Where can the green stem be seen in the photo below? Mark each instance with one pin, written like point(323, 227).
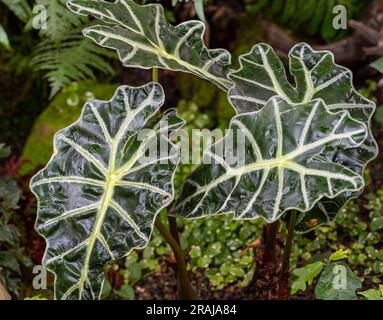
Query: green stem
point(184, 288)
point(174, 229)
point(155, 74)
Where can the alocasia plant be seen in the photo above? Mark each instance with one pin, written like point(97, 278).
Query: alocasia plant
point(306, 146)
point(96, 200)
point(143, 38)
point(284, 168)
point(263, 75)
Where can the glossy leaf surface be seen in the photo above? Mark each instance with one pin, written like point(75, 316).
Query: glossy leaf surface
point(301, 156)
point(143, 38)
point(98, 197)
point(262, 75)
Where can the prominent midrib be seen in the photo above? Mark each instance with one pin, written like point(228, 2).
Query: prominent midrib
point(122, 171)
point(114, 176)
point(111, 180)
point(108, 194)
point(286, 159)
point(285, 162)
point(158, 51)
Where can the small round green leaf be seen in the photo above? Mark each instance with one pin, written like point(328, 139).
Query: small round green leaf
point(337, 282)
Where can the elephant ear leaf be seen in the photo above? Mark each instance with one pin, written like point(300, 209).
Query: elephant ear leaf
point(262, 75)
point(264, 168)
point(98, 196)
point(143, 38)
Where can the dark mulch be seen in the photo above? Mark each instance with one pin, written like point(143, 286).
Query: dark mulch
point(162, 285)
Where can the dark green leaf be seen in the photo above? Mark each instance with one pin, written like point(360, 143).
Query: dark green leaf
point(262, 75)
point(143, 38)
point(98, 196)
point(10, 195)
point(9, 234)
point(280, 169)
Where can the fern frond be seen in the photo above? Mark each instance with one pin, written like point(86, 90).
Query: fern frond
point(60, 21)
point(74, 60)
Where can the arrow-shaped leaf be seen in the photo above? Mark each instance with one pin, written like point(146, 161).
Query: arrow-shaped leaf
point(97, 197)
point(262, 75)
point(143, 38)
point(288, 163)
